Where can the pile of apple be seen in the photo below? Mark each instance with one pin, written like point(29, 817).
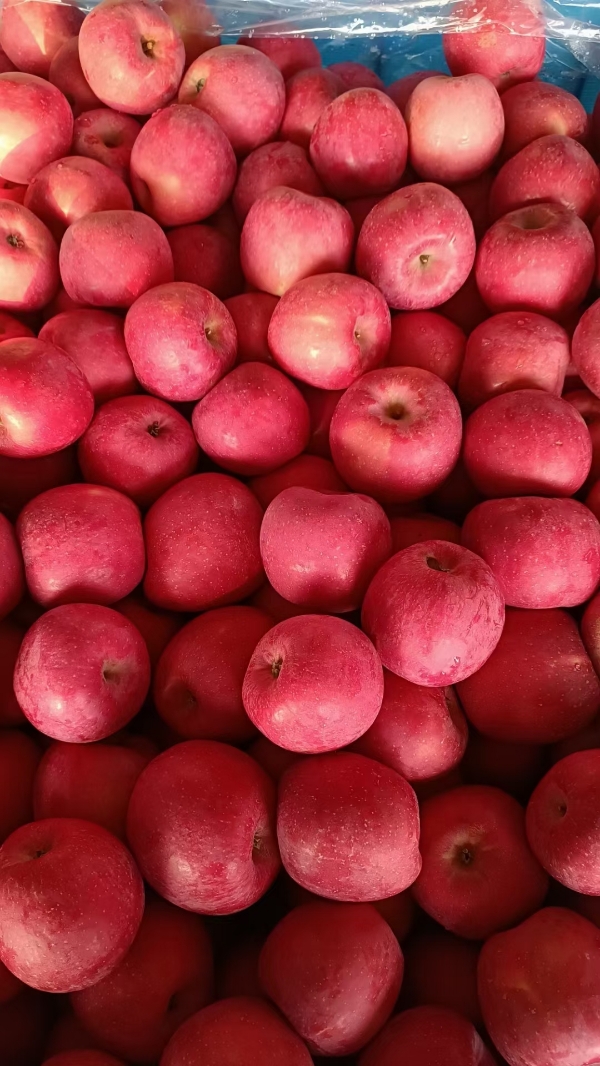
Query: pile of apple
point(299, 549)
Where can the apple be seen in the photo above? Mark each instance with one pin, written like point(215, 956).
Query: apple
point(475, 195)
point(195, 23)
point(440, 970)
point(239, 1026)
point(419, 732)
point(157, 627)
point(455, 127)
point(198, 680)
point(395, 434)
point(22, 479)
point(421, 526)
point(37, 122)
point(588, 406)
point(289, 235)
point(273, 759)
point(241, 89)
point(94, 341)
point(321, 405)
point(191, 343)
point(11, 635)
point(12, 579)
point(19, 758)
point(400, 90)
point(527, 443)
point(252, 421)
point(107, 136)
point(45, 401)
point(93, 272)
point(308, 93)
point(553, 169)
point(513, 350)
point(507, 45)
point(251, 313)
point(289, 54)
point(131, 55)
point(306, 709)
point(538, 686)
point(430, 341)
point(417, 246)
point(206, 257)
point(431, 1034)
point(536, 109)
point(584, 345)
point(68, 189)
point(305, 471)
point(66, 74)
point(180, 818)
point(539, 985)
point(348, 827)
point(466, 308)
point(516, 768)
point(270, 165)
point(11, 327)
point(537, 258)
point(31, 36)
point(423, 627)
point(356, 75)
point(28, 259)
point(202, 544)
point(543, 552)
point(334, 970)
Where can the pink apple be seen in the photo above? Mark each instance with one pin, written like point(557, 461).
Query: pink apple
point(430, 341)
point(289, 54)
point(251, 313)
point(207, 257)
point(429, 1034)
point(252, 421)
point(588, 406)
point(241, 89)
point(506, 45)
point(289, 235)
point(536, 109)
point(305, 471)
point(198, 681)
point(131, 55)
point(181, 340)
point(417, 246)
point(28, 260)
point(308, 93)
point(543, 552)
point(240, 1025)
point(165, 977)
point(415, 528)
point(12, 584)
point(334, 970)
point(553, 169)
point(82, 673)
point(180, 809)
point(94, 340)
point(45, 401)
point(400, 90)
point(37, 123)
point(19, 758)
point(279, 163)
point(31, 36)
point(68, 189)
point(538, 258)
point(356, 75)
point(584, 346)
point(420, 732)
point(348, 828)
point(395, 434)
point(538, 686)
point(91, 268)
point(66, 74)
point(321, 549)
point(22, 479)
point(202, 544)
point(347, 322)
point(440, 970)
point(513, 350)
point(107, 136)
point(72, 901)
point(527, 443)
point(539, 985)
point(138, 445)
point(455, 127)
point(305, 709)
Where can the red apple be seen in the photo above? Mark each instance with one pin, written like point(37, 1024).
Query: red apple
point(66, 74)
point(157, 627)
point(28, 260)
point(181, 340)
point(356, 75)
point(466, 308)
point(430, 341)
point(334, 970)
point(94, 340)
point(19, 758)
point(308, 93)
point(588, 406)
point(207, 257)
point(289, 54)
point(305, 471)
point(553, 169)
point(11, 327)
point(417, 246)
point(584, 346)
point(202, 544)
point(198, 681)
point(12, 584)
point(416, 528)
point(543, 552)
point(395, 434)
point(138, 445)
point(301, 707)
point(22, 479)
point(31, 36)
point(475, 195)
point(400, 90)
point(182, 823)
point(539, 685)
point(241, 89)
point(430, 1034)
point(241, 1026)
point(321, 405)
point(131, 55)
point(536, 109)
point(45, 401)
point(289, 235)
point(440, 970)
point(506, 44)
point(36, 119)
point(107, 136)
point(279, 163)
point(195, 23)
point(91, 268)
point(68, 189)
point(251, 313)
point(513, 350)
point(455, 127)
point(538, 258)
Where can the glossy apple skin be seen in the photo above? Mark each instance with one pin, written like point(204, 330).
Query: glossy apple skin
point(583, 346)
point(356, 75)
point(421, 628)
point(543, 552)
point(536, 109)
point(37, 123)
point(349, 954)
point(311, 710)
point(308, 93)
point(44, 398)
point(179, 808)
point(107, 136)
point(432, 1034)
point(12, 585)
point(348, 828)
point(538, 686)
point(94, 340)
point(507, 46)
point(305, 471)
point(202, 544)
point(427, 340)
point(68, 189)
point(71, 915)
point(129, 1012)
point(588, 406)
point(32, 36)
point(513, 350)
point(240, 1025)
point(82, 673)
point(552, 169)
point(66, 74)
point(19, 758)
point(278, 163)
point(539, 985)
point(122, 74)
point(28, 260)
point(198, 681)
point(417, 246)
